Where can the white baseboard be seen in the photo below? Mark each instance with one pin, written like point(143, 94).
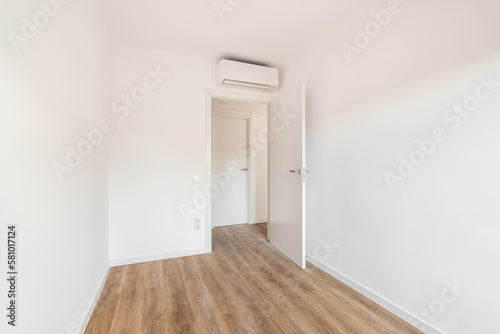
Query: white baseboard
point(389, 306)
point(156, 257)
point(86, 320)
point(259, 221)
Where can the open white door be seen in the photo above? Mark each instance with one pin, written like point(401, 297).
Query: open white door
point(287, 174)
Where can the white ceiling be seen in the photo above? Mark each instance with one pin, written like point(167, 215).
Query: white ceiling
point(268, 32)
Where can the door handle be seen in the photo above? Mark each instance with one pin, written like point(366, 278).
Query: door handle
point(244, 169)
point(298, 171)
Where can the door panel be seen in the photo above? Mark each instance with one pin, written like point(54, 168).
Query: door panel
point(230, 205)
point(287, 174)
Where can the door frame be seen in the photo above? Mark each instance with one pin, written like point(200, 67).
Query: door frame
point(228, 95)
point(250, 165)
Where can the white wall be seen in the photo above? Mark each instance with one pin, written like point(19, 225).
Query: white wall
point(442, 223)
point(155, 153)
point(55, 87)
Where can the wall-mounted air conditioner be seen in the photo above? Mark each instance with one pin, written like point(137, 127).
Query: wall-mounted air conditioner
point(238, 75)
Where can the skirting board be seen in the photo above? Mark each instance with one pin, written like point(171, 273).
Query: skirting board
point(86, 320)
point(259, 221)
point(156, 257)
point(394, 309)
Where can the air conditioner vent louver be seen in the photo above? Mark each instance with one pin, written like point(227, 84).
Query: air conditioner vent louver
point(228, 82)
point(238, 75)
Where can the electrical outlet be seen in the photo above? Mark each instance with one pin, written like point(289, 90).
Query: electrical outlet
point(196, 223)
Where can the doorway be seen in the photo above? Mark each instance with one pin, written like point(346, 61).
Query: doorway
point(239, 162)
point(286, 172)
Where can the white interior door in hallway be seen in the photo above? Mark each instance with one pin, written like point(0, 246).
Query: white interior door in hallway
point(230, 169)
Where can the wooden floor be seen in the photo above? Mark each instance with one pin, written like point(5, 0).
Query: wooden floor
point(244, 286)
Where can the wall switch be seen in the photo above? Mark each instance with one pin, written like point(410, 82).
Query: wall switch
point(196, 223)
point(196, 179)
